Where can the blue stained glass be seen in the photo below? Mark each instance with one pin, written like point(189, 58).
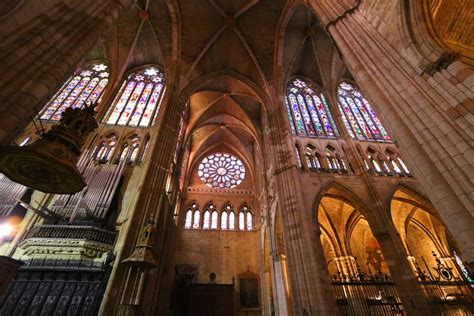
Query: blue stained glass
point(307, 119)
point(297, 115)
point(85, 84)
point(360, 119)
point(140, 101)
point(290, 119)
point(309, 111)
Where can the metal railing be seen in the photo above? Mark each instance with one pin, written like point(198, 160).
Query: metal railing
point(72, 232)
point(366, 294)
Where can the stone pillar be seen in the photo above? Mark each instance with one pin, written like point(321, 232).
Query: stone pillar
point(266, 293)
point(281, 290)
point(413, 299)
point(37, 59)
point(310, 289)
point(425, 107)
point(129, 292)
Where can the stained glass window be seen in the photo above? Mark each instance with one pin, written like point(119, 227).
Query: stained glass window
point(214, 220)
point(224, 220)
point(231, 220)
point(249, 221)
point(196, 219)
point(139, 98)
point(241, 220)
point(308, 111)
point(221, 171)
point(207, 220)
point(189, 219)
point(86, 84)
point(358, 116)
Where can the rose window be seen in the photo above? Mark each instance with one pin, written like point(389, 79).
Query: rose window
point(221, 171)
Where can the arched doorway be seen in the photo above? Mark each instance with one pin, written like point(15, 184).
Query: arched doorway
point(358, 272)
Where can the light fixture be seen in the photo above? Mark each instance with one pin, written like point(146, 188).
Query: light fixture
point(49, 164)
point(6, 230)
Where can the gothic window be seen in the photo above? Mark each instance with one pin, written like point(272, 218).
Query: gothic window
point(104, 151)
point(405, 169)
point(138, 100)
point(189, 219)
point(358, 116)
point(123, 152)
point(397, 163)
point(214, 219)
point(196, 219)
point(372, 157)
point(207, 220)
point(249, 221)
point(312, 159)
point(221, 171)
point(232, 220)
point(224, 220)
point(308, 111)
point(241, 220)
point(86, 85)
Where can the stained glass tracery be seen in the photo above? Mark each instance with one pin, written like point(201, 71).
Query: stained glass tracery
point(308, 111)
point(138, 100)
point(86, 84)
point(221, 171)
point(358, 116)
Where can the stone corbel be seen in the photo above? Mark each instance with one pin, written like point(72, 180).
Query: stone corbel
point(443, 61)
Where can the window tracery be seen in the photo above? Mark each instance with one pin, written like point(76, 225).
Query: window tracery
point(358, 116)
point(87, 84)
point(139, 99)
point(221, 171)
point(213, 219)
point(308, 111)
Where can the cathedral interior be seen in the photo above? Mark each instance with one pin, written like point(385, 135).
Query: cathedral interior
point(236, 157)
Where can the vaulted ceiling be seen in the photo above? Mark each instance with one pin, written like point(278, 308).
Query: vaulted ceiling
point(227, 51)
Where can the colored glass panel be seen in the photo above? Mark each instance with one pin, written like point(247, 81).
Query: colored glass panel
point(359, 117)
point(297, 115)
point(79, 103)
point(130, 106)
point(138, 106)
point(137, 114)
point(309, 111)
point(306, 118)
point(314, 114)
point(290, 117)
point(151, 106)
point(221, 171)
point(121, 103)
point(86, 83)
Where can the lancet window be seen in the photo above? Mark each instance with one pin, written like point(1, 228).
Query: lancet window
point(87, 84)
point(138, 100)
point(212, 219)
point(193, 217)
point(313, 161)
point(358, 116)
point(308, 111)
point(106, 148)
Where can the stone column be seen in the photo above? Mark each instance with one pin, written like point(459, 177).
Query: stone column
point(310, 289)
point(37, 59)
point(281, 291)
point(425, 107)
point(133, 291)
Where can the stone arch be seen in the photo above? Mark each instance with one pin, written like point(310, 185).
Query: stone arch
point(420, 228)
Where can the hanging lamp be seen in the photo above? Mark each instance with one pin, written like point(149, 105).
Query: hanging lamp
point(49, 164)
